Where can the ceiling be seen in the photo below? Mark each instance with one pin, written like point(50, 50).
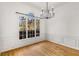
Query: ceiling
point(40, 5)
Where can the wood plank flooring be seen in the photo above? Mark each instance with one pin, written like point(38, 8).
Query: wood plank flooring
point(44, 48)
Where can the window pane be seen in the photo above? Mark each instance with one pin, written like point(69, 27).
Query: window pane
point(31, 27)
point(22, 26)
point(37, 27)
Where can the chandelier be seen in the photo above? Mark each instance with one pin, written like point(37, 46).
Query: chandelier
point(47, 13)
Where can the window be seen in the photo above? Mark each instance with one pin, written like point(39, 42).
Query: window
point(29, 27)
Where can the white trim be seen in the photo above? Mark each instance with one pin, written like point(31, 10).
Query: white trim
point(64, 45)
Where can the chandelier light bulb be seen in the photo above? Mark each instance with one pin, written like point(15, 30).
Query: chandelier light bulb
point(46, 13)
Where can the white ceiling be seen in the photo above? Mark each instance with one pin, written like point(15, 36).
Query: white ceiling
point(40, 5)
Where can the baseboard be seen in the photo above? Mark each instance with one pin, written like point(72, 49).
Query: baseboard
point(21, 47)
point(39, 42)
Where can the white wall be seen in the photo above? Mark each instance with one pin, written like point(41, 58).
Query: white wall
point(64, 27)
point(9, 26)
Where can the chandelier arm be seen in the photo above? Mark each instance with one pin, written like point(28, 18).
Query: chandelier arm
point(46, 14)
point(46, 6)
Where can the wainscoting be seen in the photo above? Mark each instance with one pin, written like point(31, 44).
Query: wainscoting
point(69, 41)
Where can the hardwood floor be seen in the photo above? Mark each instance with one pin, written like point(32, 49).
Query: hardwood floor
point(44, 48)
